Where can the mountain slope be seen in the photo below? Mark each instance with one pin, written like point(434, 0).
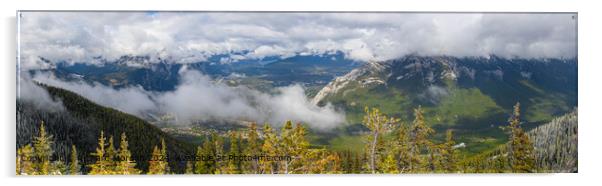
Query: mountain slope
point(472, 95)
point(80, 123)
point(555, 145)
point(547, 86)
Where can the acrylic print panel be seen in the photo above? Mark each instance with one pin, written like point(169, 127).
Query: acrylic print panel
point(296, 93)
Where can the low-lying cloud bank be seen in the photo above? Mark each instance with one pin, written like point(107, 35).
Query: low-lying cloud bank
point(197, 98)
point(194, 36)
point(30, 92)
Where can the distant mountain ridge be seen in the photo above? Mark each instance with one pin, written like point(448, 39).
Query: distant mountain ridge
point(163, 74)
point(424, 71)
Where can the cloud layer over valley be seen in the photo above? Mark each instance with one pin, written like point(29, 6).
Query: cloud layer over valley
point(198, 98)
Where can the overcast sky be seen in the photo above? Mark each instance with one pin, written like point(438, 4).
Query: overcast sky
point(191, 37)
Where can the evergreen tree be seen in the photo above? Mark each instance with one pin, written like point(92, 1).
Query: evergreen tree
point(189, 168)
point(111, 155)
point(403, 148)
point(287, 146)
point(26, 159)
point(125, 164)
point(158, 162)
point(448, 153)
point(433, 157)
point(358, 162)
point(101, 166)
point(200, 163)
point(318, 162)
point(18, 162)
point(323, 161)
point(57, 167)
point(500, 164)
point(253, 149)
point(164, 156)
point(234, 166)
point(299, 151)
point(42, 150)
point(206, 157)
point(419, 139)
point(378, 124)
point(155, 164)
point(269, 148)
point(521, 151)
point(74, 164)
point(218, 146)
point(334, 163)
point(389, 165)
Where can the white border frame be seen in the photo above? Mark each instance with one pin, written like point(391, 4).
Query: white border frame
point(589, 89)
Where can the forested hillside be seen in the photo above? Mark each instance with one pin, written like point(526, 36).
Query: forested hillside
point(556, 144)
point(554, 149)
point(81, 122)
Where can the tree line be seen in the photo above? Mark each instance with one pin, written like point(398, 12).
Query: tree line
point(391, 147)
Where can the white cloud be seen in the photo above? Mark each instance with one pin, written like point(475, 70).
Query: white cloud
point(190, 37)
point(358, 49)
point(132, 100)
point(28, 91)
point(264, 50)
point(198, 98)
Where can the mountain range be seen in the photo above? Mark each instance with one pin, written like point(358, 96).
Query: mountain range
point(163, 74)
point(471, 95)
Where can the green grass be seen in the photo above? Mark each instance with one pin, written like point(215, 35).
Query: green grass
point(255, 83)
point(480, 140)
point(355, 99)
point(545, 106)
point(353, 144)
point(460, 105)
point(468, 104)
point(473, 115)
